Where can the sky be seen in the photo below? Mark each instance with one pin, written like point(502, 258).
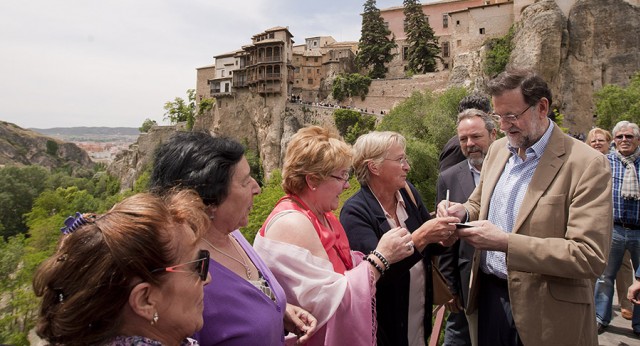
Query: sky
point(115, 63)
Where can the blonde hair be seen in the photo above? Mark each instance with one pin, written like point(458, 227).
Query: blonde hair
point(597, 130)
point(372, 147)
point(315, 151)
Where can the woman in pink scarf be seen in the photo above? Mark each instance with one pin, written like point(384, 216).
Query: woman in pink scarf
point(306, 248)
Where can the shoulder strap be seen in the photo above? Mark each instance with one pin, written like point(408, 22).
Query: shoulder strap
point(410, 193)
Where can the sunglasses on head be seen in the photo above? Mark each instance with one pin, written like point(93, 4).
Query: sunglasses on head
point(200, 266)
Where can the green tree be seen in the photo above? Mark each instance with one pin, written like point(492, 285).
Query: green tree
point(427, 121)
point(147, 123)
point(615, 103)
point(498, 53)
point(347, 85)
point(19, 186)
point(375, 44)
point(422, 43)
point(180, 110)
point(352, 124)
point(52, 148)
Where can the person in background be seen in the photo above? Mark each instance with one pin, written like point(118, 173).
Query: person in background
point(133, 276)
point(476, 132)
point(245, 305)
point(625, 168)
point(599, 140)
point(385, 201)
point(451, 153)
point(544, 199)
point(633, 294)
point(307, 249)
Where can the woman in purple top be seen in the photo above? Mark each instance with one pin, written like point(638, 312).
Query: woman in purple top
point(244, 304)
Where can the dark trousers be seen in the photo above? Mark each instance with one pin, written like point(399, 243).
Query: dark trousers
point(496, 326)
point(456, 332)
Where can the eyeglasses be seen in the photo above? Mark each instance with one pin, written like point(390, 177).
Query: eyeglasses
point(201, 266)
point(620, 137)
point(401, 160)
point(508, 117)
point(344, 178)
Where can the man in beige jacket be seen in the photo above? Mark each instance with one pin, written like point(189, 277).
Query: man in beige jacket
point(545, 202)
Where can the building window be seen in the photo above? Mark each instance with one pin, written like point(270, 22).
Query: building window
point(222, 73)
point(310, 81)
point(457, 22)
point(271, 35)
point(317, 70)
point(386, 25)
point(226, 87)
point(446, 65)
point(315, 59)
point(445, 20)
point(405, 52)
point(481, 31)
point(458, 43)
point(220, 103)
point(445, 49)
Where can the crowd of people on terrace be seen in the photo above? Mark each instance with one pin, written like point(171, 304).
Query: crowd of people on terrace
point(529, 234)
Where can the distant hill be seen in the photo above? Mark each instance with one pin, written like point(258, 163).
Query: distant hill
point(84, 130)
point(20, 147)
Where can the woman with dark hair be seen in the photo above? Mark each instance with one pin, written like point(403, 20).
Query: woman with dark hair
point(133, 276)
point(245, 305)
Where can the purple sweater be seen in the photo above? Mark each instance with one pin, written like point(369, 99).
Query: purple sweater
point(236, 312)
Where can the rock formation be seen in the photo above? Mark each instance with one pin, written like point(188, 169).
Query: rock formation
point(21, 147)
point(129, 164)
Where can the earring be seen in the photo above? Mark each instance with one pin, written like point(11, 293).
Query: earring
point(155, 318)
point(211, 217)
point(313, 188)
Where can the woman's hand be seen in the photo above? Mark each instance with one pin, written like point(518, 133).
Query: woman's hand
point(299, 322)
point(396, 244)
point(438, 230)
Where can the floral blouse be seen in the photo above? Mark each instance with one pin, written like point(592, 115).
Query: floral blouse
point(143, 341)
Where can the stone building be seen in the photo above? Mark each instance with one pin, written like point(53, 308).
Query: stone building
point(316, 61)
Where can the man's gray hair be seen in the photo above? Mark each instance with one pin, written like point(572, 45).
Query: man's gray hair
point(626, 124)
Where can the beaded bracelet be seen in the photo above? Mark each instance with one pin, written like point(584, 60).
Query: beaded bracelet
point(373, 263)
point(382, 259)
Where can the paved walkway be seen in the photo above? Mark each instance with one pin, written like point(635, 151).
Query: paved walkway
point(619, 332)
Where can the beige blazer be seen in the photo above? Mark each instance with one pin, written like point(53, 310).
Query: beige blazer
point(560, 242)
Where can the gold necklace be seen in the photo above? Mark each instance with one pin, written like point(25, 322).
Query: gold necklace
point(243, 263)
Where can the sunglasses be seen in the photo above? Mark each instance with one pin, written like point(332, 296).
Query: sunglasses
point(625, 136)
point(200, 266)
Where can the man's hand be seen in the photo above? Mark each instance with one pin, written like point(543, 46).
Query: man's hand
point(485, 236)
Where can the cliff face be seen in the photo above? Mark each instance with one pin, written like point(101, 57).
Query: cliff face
point(23, 147)
point(130, 163)
point(598, 44)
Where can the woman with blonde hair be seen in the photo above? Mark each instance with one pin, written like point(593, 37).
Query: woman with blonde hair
point(599, 139)
point(307, 249)
point(384, 201)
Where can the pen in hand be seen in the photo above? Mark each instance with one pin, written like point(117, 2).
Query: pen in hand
point(446, 203)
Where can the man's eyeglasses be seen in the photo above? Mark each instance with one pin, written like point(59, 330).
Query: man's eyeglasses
point(344, 178)
point(508, 117)
point(401, 160)
point(200, 266)
point(620, 137)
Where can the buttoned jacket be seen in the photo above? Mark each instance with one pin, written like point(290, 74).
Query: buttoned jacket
point(559, 244)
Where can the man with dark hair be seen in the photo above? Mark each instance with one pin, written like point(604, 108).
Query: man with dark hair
point(545, 203)
point(451, 153)
point(476, 131)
